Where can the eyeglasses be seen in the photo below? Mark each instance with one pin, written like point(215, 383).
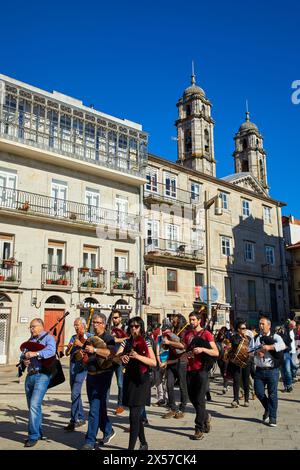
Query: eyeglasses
point(134, 326)
point(97, 322)
point(33, 326)
point(116, 318)
point(243, 328)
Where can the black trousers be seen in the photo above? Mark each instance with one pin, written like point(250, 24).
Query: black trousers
point(177, 370)
point(136, 426)
point(237, 372)
point(197, 382)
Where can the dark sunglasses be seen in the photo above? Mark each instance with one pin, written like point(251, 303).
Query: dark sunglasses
point(242, 328)
point(116, 318)
point(134, 326)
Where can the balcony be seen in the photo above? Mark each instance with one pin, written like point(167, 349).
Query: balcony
point(158, 193)
point(57, 277)
point(10, 273)
point(26, 204)
point(122, 283)
point(172, 252)
point(92, 280)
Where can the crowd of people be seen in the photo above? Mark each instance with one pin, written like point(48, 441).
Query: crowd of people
point(179, 352)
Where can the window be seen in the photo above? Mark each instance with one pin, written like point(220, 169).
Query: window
point(90, 257)
point(121, 262)
point(6, 246)
point(171, 236)
point(122, 211)
point(249, 251)
point(224, 198)
point(59, 191)
point(92, 200)
point(170, 185)
point(8, 183)
point(206, 140)
point(270, 254)
point(225, 245)
point(195, 192)
point(251, 295)
point(199, 280)
point(171, 280)
point(152, 230)
point(187, 141)
point(267, 214)
point(227, 289)
point(151, 177)
point(56, 255)
point(245, 208)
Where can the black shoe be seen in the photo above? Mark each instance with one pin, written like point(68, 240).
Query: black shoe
point(70, 427)
point(80, 423)
point(289, 389)
point(144, 446)
point(207, 425)
point(145, 422)
point(107, 439)
point(87, 447)
point(272, 422)
point(30, 443)
point(208, 396)
point(265, 417)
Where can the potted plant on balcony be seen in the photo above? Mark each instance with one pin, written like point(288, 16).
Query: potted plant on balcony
point(97, 270)
point(9, 262)
point(129, 274)
point(2, 278)
point(65, 282)
point(48, 281)
point(60, 282)
point(12, 278)
point(66, 267)
point(84, 269)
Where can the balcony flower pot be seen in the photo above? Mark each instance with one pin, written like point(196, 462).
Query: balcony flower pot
point(60, 282)
point(66, 267)
point(84, 270)
point(98, 270)
point(11, 278)
point(65, 282)
point(83, 284)
point(2, 278)
point(129, 274)
point(99, 285)
point(8, 263)
point(72, 216)
point(48, 281)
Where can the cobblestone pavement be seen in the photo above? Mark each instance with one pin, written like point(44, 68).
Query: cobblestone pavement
point(239, 428)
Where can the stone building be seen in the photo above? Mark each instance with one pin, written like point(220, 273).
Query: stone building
point(70, 199)
point(291, 233)
point(239, 255)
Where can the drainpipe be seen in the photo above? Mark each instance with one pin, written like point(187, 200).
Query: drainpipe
point(282, 262)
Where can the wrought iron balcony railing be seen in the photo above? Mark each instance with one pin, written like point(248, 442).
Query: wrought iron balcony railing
point(92, 280)
point(157, 192)
point(32, 203)
point(57, 277)
point(122, 282)
point(10, 273)
point(173, 248)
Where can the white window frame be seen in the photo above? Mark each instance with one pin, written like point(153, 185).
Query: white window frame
point(225, 200)
point(92, 201)
point(270, 254)
point(226, 245)
point(121, 207)
point(170, 192)
point(59, 195)
point(152, 180)
point(249, 251)
point(8, 185)
point(267, 214)
point(152, 231)
point(6, 252)
point(56, 256)
point(121, 261)
point(246, 208)
point(195, 191)
point(171, 232)
point(90, 257)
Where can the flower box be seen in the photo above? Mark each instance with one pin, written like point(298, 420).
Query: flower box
point(48, 281)
point(129, 274)
point(97, 270)
point(66, 267)
point(2, 278)
point(84, 270)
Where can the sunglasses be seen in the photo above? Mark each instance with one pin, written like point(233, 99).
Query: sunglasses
point(243, 328)
point(116, 318)
point(134, 326)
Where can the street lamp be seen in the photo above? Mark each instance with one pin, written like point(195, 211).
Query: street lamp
point(218, 211)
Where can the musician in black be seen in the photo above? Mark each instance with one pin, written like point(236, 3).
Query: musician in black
point(98, 383)
point(267, 359)
point(37, 380)
point(235, 370)
point(201, 347)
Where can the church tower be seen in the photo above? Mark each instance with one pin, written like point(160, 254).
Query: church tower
point(195, 128)
point(249, 155)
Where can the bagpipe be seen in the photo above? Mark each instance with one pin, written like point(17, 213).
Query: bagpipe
point(269, 340)
point(197, 341)
point(139, 345)
point(50, 366)
point(93, 362)
point(174, 337)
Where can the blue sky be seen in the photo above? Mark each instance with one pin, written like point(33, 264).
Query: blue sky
point(132, 59)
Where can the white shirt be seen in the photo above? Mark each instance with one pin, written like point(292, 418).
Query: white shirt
point(293, 343)
point(267, 359)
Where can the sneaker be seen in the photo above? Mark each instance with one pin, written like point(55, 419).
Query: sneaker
point(246, 404)
point(70, 427)
point(178, 414)
point(207, 425)
point(265, 417)
point(253, 396)
point(87, 447)
point(119, 410)
point(208, 396)
point(235, 404)
point(145, 422)
point(161, 403)
point(289, 389)
point(30, 443)
point(197, 436)
point(107, 439)
point(144, 446)
point(80, 422)
point(168, 415)
point(225, 390)
point(272, 422)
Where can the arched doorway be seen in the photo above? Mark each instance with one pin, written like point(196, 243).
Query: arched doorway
point(88, 308)
point(5, 314)
point(51, 316)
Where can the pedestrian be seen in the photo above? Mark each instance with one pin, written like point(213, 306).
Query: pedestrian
point(137, 356)
point(77, 374)
point(290, 361)
point(267, 360)
point(98, 383)
point(119, 335)
point(200, 359)
point(37, 380)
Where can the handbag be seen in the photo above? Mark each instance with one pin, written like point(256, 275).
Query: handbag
point(57, 374)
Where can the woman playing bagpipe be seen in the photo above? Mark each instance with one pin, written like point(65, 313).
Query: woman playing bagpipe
point(137, 356)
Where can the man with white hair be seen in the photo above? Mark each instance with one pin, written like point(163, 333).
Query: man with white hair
point(77, 374)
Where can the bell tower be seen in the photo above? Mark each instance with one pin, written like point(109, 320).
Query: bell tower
point(195, 129)
point(249, 155)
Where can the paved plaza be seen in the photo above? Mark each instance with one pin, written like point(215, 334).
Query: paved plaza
point(239, 428)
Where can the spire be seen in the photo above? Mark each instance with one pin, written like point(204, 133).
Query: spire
point(247, 112)
point(193, 77)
